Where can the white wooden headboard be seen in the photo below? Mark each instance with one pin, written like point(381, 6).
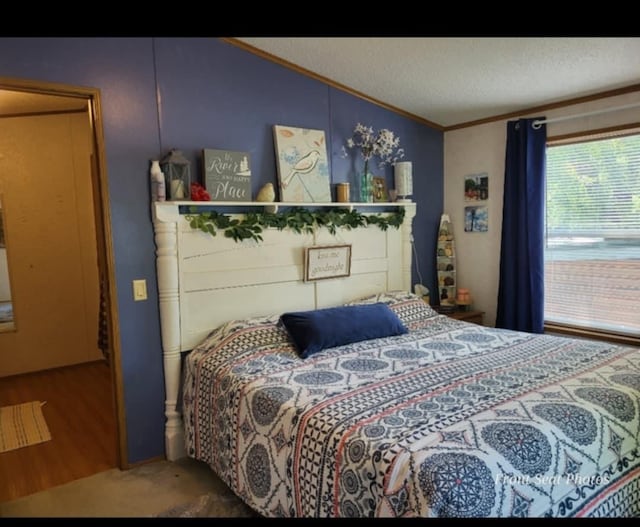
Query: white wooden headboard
point(205, 281)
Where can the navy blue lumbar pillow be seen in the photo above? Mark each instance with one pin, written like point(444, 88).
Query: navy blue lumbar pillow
point(313, 331)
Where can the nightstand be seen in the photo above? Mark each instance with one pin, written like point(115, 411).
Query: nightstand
point(477, 317)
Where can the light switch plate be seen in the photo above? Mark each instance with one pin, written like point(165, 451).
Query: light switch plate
point(139, 290)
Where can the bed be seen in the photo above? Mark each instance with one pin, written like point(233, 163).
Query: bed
point(444, 419)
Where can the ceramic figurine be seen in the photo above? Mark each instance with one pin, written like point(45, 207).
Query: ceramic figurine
point(267, 193)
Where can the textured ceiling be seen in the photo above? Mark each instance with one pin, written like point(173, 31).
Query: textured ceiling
point(450, 81)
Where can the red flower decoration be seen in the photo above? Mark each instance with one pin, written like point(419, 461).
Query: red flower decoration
point(198, 193)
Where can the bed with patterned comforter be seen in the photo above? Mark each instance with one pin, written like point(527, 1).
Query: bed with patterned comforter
point(449, 420)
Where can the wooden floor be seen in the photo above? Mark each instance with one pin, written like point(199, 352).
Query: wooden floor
point(81, 418)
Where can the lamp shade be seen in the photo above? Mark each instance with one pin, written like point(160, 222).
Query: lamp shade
point(403, 179)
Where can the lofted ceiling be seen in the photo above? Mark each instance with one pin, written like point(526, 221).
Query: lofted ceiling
point(450, 81)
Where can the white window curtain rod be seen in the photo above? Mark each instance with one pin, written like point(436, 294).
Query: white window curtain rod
point(537, 124)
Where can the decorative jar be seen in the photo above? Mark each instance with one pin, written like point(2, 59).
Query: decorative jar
point(342, 192)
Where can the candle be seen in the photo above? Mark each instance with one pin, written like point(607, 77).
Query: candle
point(342, 192)
point(464, 297)
point(177, 189)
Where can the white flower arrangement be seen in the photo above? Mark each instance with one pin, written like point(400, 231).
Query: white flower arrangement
point(384, 145)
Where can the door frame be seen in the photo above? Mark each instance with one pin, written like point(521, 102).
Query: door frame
point(104, 237)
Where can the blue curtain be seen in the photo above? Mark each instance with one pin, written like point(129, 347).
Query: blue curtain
point(521, 286)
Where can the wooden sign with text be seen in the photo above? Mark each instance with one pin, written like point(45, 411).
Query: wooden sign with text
point(227, 175)
point(330, 261)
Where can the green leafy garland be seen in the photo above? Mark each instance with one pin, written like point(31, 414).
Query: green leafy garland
point(298, 219)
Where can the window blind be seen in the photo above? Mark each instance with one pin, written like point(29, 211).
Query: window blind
point(592, 224)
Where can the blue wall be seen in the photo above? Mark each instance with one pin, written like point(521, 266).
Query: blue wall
point(212, 95)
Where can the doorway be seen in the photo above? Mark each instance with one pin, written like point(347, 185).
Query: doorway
point(73, 112)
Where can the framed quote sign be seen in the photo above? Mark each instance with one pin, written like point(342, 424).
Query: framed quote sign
point(227, 174)
point(327, 261)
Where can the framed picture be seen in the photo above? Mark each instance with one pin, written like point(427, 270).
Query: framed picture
point(476, 219)
point(327, 261)
point(476, 187)
point(380, 192)
point(301, 159)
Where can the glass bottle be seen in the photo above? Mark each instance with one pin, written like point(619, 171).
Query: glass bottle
point(366, 184)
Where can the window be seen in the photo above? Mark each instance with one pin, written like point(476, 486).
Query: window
point(592, 246)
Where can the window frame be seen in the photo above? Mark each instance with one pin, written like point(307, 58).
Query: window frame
point(579, 331)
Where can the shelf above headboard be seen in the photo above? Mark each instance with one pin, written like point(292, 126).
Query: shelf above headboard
point(169, 209)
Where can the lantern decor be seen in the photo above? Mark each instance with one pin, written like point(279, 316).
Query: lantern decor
point(177, 173)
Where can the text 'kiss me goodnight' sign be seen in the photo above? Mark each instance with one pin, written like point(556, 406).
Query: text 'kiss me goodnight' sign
point(227, 175)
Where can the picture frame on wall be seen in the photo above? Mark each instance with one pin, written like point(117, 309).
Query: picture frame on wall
point(303, 169)
point(476, 187)
point(380, 192)
point(476, 219)
point(327, 261)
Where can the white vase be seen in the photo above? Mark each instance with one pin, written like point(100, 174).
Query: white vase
point(158, 190)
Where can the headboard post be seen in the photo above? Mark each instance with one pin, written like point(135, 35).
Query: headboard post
point(166, 237)
point(407, 244)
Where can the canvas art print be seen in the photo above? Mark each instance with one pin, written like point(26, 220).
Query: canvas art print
point(303, 170)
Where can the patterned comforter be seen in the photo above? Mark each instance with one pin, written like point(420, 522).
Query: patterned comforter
point(450, 420)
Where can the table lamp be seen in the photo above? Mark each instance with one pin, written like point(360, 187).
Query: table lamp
point(403, 181)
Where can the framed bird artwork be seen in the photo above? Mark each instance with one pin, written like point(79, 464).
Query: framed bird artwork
point(303, 170)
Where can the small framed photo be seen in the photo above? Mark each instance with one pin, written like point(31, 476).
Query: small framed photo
point(380, 193)
point(476, 187)
point(327, 261)
point(476, 219)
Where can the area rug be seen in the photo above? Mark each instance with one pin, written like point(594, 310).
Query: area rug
point(22, 425)
point(210, 505)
